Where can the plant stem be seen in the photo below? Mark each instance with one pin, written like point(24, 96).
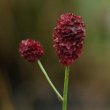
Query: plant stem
point(49, 81)
point(65, 91)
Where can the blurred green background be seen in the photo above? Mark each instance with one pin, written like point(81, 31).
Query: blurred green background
point(22, 84)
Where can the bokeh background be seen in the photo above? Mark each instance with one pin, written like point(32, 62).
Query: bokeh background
point(22, 84)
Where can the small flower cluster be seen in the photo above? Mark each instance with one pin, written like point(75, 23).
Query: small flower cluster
point(31, 50)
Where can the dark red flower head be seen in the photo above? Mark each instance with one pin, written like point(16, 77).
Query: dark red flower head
point(68, 38)
point(31, 50)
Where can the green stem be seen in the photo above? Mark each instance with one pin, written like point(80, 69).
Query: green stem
point(49, 81)
point(65, 91)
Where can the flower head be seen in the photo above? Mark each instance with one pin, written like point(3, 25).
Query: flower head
point(31, 50)
point(68, 38)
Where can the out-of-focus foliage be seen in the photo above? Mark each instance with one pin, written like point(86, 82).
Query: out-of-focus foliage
point(22, 84)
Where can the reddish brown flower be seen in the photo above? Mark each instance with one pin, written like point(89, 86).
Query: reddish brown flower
point(31, 50)
point(68, 38)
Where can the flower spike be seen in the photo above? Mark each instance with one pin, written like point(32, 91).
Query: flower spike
point(68, 38)
point(31, 50)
